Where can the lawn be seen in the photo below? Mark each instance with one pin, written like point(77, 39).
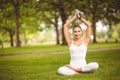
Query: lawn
point(44, 67)
point(49, 48)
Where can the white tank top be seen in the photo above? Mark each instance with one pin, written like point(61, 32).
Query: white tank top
point(77, 55)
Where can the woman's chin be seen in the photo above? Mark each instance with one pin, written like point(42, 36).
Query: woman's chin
point(77, 37)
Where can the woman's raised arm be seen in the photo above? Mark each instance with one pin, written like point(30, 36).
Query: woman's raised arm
point(88, 24)
point(88, 31)
point(66, 31)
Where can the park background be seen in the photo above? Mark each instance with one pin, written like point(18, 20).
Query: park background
point(32, 42)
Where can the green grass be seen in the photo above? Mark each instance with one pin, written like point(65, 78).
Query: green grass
point(32, 49)
point(44, 67)
point(103, 45)
point(49, 48)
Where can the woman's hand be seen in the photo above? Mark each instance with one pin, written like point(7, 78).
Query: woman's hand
point(77, 12)
point(75, 15)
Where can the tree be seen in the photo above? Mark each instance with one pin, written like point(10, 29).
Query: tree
point(63, 9)
point(53, 19)
point(112, 15)
point(93, 9)
point(29, 19)
point(13, 4)
point(17, 6)
point(7, 21)
point(50, 16)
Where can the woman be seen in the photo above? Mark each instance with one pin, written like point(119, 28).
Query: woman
point(78, 48)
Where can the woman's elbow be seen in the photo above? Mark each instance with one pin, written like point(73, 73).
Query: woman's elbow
point(89, 25)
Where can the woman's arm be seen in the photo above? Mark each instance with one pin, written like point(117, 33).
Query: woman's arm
point(66, 31)
point(88, 24)
point(88, 32)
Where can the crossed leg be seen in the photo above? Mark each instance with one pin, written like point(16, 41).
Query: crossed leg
point(87, 68)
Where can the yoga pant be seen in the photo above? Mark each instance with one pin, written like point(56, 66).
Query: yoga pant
point(87, 68)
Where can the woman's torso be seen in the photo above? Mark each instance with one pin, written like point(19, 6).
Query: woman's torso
point(77, 55)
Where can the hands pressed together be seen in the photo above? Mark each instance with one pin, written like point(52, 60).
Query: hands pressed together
point(77, 13)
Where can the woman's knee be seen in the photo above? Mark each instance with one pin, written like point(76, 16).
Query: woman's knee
point(65, 71)
point(90, 67)
point(60, 70)
point(95, 65)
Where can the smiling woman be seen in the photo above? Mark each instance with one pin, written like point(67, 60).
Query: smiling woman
point(77, 31)
point(78, 48)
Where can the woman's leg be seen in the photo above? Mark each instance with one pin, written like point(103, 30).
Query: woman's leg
point(90, 67)
point(66, 71)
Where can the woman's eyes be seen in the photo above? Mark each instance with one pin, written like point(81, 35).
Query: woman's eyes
point(76, 31)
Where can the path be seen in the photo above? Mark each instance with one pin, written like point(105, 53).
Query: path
point(56, 52)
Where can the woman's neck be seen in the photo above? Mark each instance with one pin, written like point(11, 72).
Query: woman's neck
point(77, 39)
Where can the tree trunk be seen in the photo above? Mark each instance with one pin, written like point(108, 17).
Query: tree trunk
point(110, 25)
point(63, 37)
point(1, 43)
point(116, 40)
point(110, 28)
point(94, 29)
point(25, 39)
point(57, 35)
point(56, 29)
point(17, 23)
point(64, 18)
point(11, 34)
point(11, 38)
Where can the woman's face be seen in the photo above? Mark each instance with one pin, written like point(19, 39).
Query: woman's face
point(77, 32)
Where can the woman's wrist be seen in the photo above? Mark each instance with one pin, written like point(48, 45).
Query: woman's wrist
point(79, 18)
point(75, 16)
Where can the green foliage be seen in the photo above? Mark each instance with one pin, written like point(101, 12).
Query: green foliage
point(7, 18)
point(32, 13)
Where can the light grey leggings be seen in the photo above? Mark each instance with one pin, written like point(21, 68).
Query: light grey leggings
point(87, 68)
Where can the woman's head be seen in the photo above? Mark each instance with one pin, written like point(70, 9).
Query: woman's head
point(77, 31)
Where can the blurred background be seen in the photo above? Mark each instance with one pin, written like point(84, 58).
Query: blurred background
point(40, 22)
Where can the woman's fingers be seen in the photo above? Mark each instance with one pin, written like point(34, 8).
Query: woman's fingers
point(77, 12)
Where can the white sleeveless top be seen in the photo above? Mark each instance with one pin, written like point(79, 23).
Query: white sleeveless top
point(77, 55)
